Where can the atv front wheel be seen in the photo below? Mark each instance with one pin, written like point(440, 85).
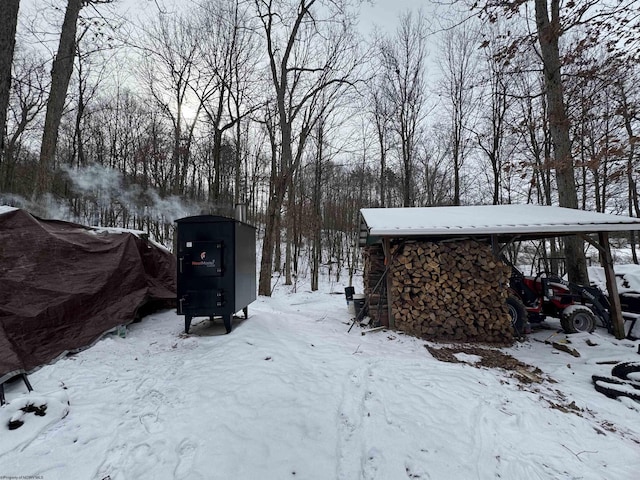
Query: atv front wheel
point(518, 314)
point(576, 319)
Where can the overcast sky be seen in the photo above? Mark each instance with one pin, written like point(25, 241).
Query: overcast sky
point(385, 12)
point(382, 13)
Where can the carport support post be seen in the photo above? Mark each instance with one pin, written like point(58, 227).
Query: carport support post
point(612, 287)
point(386, 248)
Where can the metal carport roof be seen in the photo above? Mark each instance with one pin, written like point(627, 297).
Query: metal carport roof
point(527, 220)
point(502, 223)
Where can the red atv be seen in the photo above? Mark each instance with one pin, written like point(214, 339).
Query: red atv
point(533, 299)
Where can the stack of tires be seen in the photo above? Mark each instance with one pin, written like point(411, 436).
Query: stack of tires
point(624, 381)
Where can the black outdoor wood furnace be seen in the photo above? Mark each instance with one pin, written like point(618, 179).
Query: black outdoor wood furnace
point(216, 261)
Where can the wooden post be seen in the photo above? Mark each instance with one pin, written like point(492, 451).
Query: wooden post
point(386, 248)
point(612, 287)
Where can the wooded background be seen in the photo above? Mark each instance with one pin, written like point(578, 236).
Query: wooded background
point(289, 107)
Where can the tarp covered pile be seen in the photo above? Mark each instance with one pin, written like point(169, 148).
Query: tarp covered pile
point(63, 285)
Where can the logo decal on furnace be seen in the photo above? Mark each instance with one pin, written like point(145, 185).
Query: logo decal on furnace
point(203, 262)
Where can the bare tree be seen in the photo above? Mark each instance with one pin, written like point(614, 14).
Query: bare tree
point(404, 59)
point(311, 51)
point(492, 132)
point(169, 55)
point(380, 111)
point(28, 100)
point(60, 76)
point(92, 62)
point(8, 24)
point(434, 175)
point(325, 129)
point(228, 57)
point(611, 23)
point(629, 110)
point(549, 32)
point(459, 90)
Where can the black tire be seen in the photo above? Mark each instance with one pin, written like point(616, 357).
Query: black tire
point(607, 385)
point(614, 387)
point(518, 314)
point(578, 319)
point(227, 322)
point(622, 370)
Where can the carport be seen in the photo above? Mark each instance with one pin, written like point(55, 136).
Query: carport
point(500, 225)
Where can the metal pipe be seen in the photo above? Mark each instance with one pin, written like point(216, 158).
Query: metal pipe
point(241, 212)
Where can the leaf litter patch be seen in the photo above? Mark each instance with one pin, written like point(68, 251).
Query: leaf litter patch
point(525, 374)
point(489, 358)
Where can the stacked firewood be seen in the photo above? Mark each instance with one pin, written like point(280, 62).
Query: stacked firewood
point(375, 286)
point(451, 291)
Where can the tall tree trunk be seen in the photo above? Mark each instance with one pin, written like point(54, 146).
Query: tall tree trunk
point(276, 200)
point(238, 192)
point(8, 23)
point(383, 163)
point(277, 239)
point(270, 243)
point(549, 31)
point(456, 168)
point(296, 105)
point(291, 221)
point(176, 153)
point(636, 209)
point(288, 251)
point(77, 137)
point(407, 163)
point(7, 167)
point(266, 259)
point(60, 76)
point(631, 184)
point(316, 249)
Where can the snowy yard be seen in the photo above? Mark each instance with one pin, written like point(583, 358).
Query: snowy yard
point(289, 394)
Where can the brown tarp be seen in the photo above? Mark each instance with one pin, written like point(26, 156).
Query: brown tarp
point(63, 285)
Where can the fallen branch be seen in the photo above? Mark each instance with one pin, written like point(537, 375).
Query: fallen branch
point(565, 348)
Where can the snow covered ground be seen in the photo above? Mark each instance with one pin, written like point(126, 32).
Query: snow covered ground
point(290, 394)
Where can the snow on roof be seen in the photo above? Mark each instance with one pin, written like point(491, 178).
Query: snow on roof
point(117, 230)
point(6, 209)
point(490, 219)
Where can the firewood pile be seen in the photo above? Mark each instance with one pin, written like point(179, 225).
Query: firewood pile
point(375, 286)
point(450, 291)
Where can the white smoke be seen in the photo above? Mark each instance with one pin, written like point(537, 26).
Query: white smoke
point(94, 178)
point(98, 189)
point(106, 187)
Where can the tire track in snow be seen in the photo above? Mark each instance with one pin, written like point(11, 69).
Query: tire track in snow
point(315, 374)
point(351, 450)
